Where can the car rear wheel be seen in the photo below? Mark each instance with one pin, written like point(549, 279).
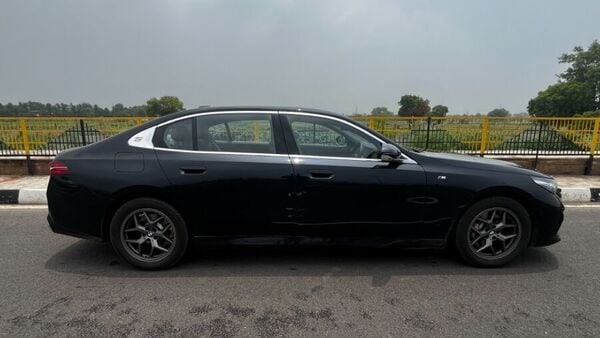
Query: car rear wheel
point(493, 232)
point(149, 234)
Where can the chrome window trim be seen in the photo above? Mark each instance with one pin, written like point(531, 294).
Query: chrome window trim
point(220, 152)
point(232, 112)
point(334, 158)
point(144, 138)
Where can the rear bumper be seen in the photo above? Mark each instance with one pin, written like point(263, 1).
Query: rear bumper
point(69, 232)
point(74, 211)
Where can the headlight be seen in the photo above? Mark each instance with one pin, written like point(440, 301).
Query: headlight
point(546, 183)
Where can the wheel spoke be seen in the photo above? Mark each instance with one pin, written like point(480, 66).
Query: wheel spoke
point(477, 239)
point(488, 243)
point(137, 241)
point(505, 237)
point(165, 229)
point(493, 216)
point(165, 238)
point(155, 245)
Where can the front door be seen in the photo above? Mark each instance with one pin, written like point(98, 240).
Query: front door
point(342, 187)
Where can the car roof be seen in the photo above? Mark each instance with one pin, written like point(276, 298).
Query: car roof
point(233, 109)
point(226, 109)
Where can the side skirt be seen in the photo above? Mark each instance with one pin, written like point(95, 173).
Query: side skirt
point(377, 242)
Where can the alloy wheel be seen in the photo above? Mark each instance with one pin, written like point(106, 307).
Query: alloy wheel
point(494, 233)
point(148, 234)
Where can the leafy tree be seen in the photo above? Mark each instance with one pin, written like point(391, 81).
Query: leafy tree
point(164, 106)
point(413, 105)
point(584, 68)
point(498, 112)
point(439, 111)
point(381, 111)
point(579, 88)
point(563, 99)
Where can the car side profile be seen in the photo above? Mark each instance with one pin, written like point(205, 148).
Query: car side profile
point(292, 176)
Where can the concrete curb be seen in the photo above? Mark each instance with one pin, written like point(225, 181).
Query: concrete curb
point(38, 196)
point(23, 196)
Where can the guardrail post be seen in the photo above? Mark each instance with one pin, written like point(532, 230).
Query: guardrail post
point(372, 123)
point(593, 147)
point(26, 148)
point(427, 135)
point(256, 131)
point(484, 136)
point(82, 128)
point(537, 148)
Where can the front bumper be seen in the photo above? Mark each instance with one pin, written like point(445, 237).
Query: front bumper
point(547, 221)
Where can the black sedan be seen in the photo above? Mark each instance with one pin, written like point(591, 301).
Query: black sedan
point(289, 176)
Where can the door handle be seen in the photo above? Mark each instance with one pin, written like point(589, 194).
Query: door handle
point(320, 174)
point(192, 170)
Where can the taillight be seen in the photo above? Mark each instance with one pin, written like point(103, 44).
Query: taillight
point(58, 168)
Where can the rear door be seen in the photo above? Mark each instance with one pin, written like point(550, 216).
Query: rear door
point(343, 188)
point(229, 171)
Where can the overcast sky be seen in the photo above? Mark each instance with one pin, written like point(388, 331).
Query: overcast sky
point(341, 55)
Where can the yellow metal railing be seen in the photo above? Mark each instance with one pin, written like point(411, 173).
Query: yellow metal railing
point(46, 136)
point(492, 135)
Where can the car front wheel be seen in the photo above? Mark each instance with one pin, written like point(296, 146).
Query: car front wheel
point(149, 234)
point(493, 232)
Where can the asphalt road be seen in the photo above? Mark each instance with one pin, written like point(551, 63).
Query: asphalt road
point(56, 285)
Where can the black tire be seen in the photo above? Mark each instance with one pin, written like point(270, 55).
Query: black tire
point(471, 227)
point(176, 239)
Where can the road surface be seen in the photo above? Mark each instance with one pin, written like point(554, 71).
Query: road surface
point(55, 285)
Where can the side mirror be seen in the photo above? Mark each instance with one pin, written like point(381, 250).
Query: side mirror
point(390, 153)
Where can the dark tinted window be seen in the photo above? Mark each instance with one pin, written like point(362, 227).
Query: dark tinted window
point(227, 132)
point(319, 136)
point(246, 133)
point(177, 135)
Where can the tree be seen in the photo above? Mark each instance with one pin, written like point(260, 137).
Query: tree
point(563, 99)
point(578, 89)
point(498, 112)
point(413, 105)
point(584, 68)
point(439, 111)
point(381, 111)
point(163, 106)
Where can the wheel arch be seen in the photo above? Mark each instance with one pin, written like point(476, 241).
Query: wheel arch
point(516, 194)
point(122, 196)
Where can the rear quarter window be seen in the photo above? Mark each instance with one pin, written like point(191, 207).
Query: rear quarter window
point(177, 135)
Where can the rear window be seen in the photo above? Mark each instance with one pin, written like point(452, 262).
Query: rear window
point(231, 132)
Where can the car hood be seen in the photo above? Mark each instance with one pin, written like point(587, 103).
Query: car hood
point(481, 163)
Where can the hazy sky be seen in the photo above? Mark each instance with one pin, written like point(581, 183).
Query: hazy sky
point(341, 55)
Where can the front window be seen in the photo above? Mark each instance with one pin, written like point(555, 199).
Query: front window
point(319, 136)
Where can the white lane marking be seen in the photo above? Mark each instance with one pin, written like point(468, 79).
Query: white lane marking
point(17, 206)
